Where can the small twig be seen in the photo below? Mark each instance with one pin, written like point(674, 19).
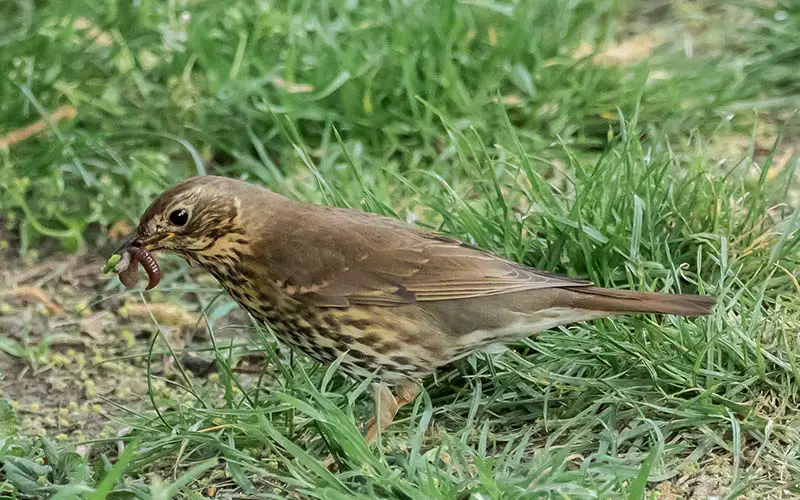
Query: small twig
point(215, 428)
point(16, 136)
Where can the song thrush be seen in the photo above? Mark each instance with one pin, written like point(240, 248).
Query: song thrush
point(393, 301)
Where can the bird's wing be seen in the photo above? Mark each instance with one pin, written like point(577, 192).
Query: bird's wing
point(347, 257)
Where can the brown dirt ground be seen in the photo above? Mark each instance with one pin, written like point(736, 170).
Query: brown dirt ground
point(73, 344)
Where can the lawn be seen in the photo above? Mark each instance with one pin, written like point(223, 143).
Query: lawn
point(651, 145)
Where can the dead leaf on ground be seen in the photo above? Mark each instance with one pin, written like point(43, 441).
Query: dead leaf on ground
point(626, 52)
point(35, 294)
point(166, 314)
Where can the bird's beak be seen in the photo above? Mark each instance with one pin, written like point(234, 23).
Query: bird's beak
point(148, 243)
point(132, 240)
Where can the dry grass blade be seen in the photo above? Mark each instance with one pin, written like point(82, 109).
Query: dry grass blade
point(12, 137)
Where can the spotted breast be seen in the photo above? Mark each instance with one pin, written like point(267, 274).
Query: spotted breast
point(391, 345)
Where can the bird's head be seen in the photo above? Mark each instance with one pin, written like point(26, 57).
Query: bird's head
point(191, 217)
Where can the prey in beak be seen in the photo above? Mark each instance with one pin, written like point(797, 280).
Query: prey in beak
point(132, 252)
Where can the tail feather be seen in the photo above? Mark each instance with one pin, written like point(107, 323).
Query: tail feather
point(628, 301)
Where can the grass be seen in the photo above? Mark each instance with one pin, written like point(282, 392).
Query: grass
point(475, 119)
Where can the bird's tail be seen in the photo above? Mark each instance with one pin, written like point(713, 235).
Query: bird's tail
point(628, 301)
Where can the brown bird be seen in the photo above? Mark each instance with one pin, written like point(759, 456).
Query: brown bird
point(393, 301)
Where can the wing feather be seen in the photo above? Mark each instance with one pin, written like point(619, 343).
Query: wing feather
point(336, 257)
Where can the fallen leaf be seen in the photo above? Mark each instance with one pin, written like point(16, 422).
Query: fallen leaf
point(166, 314)
point(628, 51)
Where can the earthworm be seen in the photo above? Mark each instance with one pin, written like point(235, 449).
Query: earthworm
point(129, 263)
point(150, 265)
point(128, 274)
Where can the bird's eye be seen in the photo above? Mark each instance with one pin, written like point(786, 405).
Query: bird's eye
point(179, 217)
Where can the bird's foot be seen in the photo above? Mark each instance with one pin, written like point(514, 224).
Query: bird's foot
point(387, 405)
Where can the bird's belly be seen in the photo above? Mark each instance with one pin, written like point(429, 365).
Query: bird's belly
point(369, 342)
point(391, 343)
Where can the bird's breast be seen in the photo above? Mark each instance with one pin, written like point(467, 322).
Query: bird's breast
point(370, 340)
point(293, 321)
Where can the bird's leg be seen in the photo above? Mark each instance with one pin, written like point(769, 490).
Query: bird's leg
point(387, 405)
